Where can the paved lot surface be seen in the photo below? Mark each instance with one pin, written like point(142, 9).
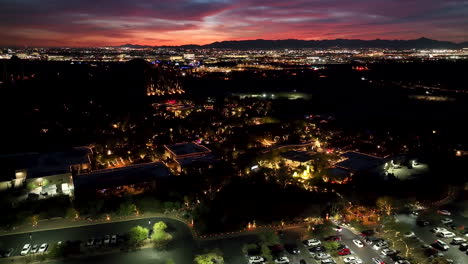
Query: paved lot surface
point(183, 245)
point(428, 237)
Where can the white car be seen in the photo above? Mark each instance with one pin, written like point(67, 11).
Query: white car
point(358, 242)
point(282, 260)
point(377, 261)
point(446, 234)
point(438, 229)
point(441, 244)
point(328, 261)
point(312, 242)
point(458, 241)
point(352, 260)
point(446, 220)
point(256, 259)
point(388, 251)
point(43, 248)
point(409, 234)
point(338, 228)
point(380, 245)
point(114, 239)
point(322, 255)
point(106, 239)
point(26, 249)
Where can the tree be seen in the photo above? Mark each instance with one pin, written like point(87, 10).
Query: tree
point(322, 230)
point(125, 209)
point(214, 257)
point(266, 252)
point(331, 245)
point(160, 236)
point(137, 235)
point(247, 248)
point(385, 204)
point(269, 238)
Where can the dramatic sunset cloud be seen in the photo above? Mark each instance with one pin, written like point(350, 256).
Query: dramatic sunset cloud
point(176, 22)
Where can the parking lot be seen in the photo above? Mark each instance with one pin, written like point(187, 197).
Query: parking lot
point(182, 237)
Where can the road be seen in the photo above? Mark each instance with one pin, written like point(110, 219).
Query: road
point(183, 241)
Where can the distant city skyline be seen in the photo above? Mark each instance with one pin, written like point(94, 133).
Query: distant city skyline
point(85, 23)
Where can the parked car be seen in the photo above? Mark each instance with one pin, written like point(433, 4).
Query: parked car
point(414, 213)
point(438, 229)
point(256, 259)
point(372, 240)
point(344, 251)
point(333, 238)
point(388, 252)
point(6, 253)
point(368, 233)
point(457, 241)
point(441, 245)
point(380, 245)
point(463, 247)
point(446, 234)
point(312, 242)
point(377, 261)
point(282, 260)
point(113, 239)
point(322, 255)
point(358, 243)
point(352, 260)
point(317, 249)
point(444, 212)
point(328, 261)
point(402, 261)
point(446, 221)
point(25, 250)
point(338, 228)
point(43, 248)
point(106, 239)
point(341, 246)
point(34, 249)
point(423, 223)
point(98, 241)
point(409, 234)
point(90, 242)
point(292, 248)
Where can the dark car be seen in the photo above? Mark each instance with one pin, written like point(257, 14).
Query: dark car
point(341, 246)
point(333, 238)
point(423, 223)
point(6, 253)
point(368, 233)
point(302, 261)
point(318, 249)
point(276, 250)
point(292, 248)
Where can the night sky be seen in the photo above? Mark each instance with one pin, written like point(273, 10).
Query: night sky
point(175, 22)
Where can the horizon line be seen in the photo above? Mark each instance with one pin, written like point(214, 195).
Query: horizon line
point(238, 40)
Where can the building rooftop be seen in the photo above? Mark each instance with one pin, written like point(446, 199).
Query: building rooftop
point(187, 161)
point(187, 149)
point(140, 173)
point(299, 156)
point(359, 162)
point(42, 164)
